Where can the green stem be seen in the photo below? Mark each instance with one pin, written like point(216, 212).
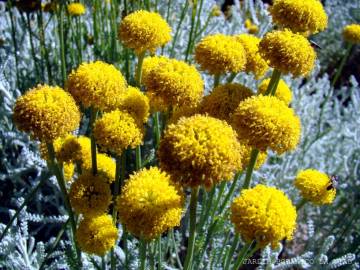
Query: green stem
point(44, 50)
point(143, 247)
point(13, 37)
point(32, 46)
point(93, 114)
point(216, 80)
point(175, 247)
point(79, 37)
point(230, 192)
point(301, 204)
point(193, 16)
point(231, 77)
point(273, 84)
point(232, 251)
point(95, 27)
point(62, 43)
point(192, 229)
point(244, 254)
point(28, 198)
point(159, 253)
point(138, 163)
point(250, 168)
point(138, 74)
point(342, 64)
point(157, 130)
point(61, 181)
point(182, 17)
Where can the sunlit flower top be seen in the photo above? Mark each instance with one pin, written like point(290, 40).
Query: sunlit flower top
point(315, 186)
point(219, 54)
point(144, 31)
point(136, 103)
point(90, 194)
point(288, 52)
point(224, 99)
point(351, 33)
point(69, 169)
point(174, 82)
point(255, 63)
point(76, 9)
point(106, 167)
point(264, 214)
point(266, 122)
point(200, 150)
point(252, 28)
point(306, 16)
point(149, 204)
point(283, 92)
point(46, 112)
point(98, 85)
point(115, 131)
point(97, 235)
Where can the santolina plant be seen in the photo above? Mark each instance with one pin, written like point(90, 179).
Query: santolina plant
point(158, 155)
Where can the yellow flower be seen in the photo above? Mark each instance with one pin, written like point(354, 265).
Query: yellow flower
point(351, 33)
point(247, 155)
point(115, 131)
point(106, 167)
point(97, 235)
point(76, 9)
point(264, 214)
point(46, 112)
point(224, 99)
point(97, 84)
point(90, 195)
point(219, 54)
point(315, 186)
point(216, 11)
point(252, 28)
point(266, 122)
point(149, 204)
point(299, 15)
point(143, 30)
point(69, 169)
point(288, 52)
point(255, 63)
point(136, 103)
point(200, 150)
point(283, 92)
point(156, 103)
point(174, 82)
point(184, 111)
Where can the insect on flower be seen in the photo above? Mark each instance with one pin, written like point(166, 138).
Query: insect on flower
point(315, 45)
point(333, 183)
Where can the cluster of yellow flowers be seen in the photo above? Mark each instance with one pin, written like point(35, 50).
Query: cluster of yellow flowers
point(209, 138)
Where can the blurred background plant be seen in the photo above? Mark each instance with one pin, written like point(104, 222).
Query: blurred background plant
point(41, 42)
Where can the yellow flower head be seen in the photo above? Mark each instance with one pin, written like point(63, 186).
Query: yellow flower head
point(351, 33)
point(288, 52)
point(264, 214)
point(143, 30)
point(69, 169)
point(299, 15)
point(90, 195)
point(149, 204)
point(252, 28)
point(224, 99)
point(315, 186)
point(106, 167)
point(247, 155)
point(136, 103)
point(156, 103)
point(200, 150)
point(97, 84)
point(115, 131)
point(255, 63)
point(219, 54)
point(184, 111)
point(266, 122)
point(76, 9)
point(283, 92)
point(97, 235)
point(174, 82)
point(46, 112)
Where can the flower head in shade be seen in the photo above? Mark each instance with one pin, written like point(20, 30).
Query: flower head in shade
point(254, 62)
point(351, 33)
point(136, 103)
point(266, 122)
point(90, 194)
point(179, 112)
point(76, 9)
point(106, 167)
point(315, 186)
point(299, 15)
point(98, 85)
point(115, 131)
point(143, 30)
point(224, 99)
point(28, 5)
point(46, 112)
point(97, 235)
point(264, 214)
point(283, 92)
point(174, 82)
point(252, 28)
point(149, 204)
point(219, 54)
point(288, 52)
point(200, 150)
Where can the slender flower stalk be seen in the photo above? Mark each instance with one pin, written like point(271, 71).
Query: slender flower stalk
point(301, 204)
point(13, 37)
point(32, 46)
point(62, 42)
point(273, 84)
point(232, 251)
point(143, 249)
point(245, 253)
point(44, 50)
point(192, 229)
point(93, 114)
point(192, 27)
point(182, 17)
point(250, 168)
point(216, 80)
